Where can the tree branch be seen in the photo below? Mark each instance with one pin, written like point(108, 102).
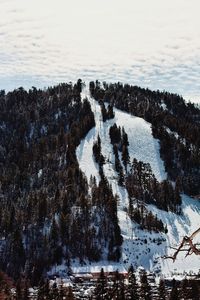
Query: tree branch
point(186, 241)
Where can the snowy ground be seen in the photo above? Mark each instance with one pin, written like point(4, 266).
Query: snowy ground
point(142, 145)
point(139, 248)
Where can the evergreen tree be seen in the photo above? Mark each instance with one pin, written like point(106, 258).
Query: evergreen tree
point(110, 113)
point(17, 254)
point(184, 289)
point(125, 156)
point(132, 287)
point(25, 289)
point(103, 112)
point(118, 289)
point(195, 289)
point(125, 141)
point(69, 294)
point(18, 290)
point(145, 289)
point(43, 290)
point(174, 294)
point(162, 290)
point(54, 292)
point(100, 291)
point(54, 233)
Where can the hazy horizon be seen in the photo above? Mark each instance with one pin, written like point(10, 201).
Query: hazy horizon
point(152, 44)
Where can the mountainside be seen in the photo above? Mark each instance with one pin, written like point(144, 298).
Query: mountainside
point(140, 247)
point(105, 176)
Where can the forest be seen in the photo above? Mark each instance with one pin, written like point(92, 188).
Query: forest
point(107, 286)
point(50, 214)
point(174, 122)
point(47, 215)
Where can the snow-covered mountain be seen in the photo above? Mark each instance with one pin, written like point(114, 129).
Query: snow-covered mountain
point(140, 247)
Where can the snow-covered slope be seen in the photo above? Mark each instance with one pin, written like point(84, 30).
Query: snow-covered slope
point(142, 144)
point(139, 248)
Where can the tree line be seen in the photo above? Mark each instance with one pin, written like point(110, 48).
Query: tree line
point(174, 122)
point(47, 214)
point(116, 286)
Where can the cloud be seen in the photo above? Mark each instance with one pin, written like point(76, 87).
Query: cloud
point(149, 43)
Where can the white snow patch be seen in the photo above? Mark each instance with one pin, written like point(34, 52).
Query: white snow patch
point(39, 173)
point(140, 248)
point(142, 145)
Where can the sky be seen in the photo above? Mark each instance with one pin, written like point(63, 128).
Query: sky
point(151, 43)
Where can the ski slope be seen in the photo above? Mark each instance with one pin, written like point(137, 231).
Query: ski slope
point(142, 145)
point(139, 248)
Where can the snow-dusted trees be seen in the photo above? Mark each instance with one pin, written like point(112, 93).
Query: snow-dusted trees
point(119, 140)
point(106, 206)
point(146, 219)
point(132, 290)
point(162, 290)
point(101, 288)
point(145, 288)
point(107, 113)
point(142, 185)
point(99, 158)
point(40, 179)
point(174, 122)
point(115, 134)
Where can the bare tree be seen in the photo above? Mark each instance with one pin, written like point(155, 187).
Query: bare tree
point(187, 245)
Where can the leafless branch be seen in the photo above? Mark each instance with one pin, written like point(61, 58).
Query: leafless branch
point(186, 241)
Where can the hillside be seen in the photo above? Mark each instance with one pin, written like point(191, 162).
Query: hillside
point(141, 248)
point(99, 176)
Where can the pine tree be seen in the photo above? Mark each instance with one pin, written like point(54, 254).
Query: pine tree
point(69, 294)
point(118, 290)
point(125, 156)
point(125, 141)
point(103, 112)
point(63, 228)
point(174, 295)
point(54, 232)
point(25, 290)
point(177, 198)
point(162, 290)
point(42, 209)
point(54, 292)
point(110, 113)
point(18, 290)
point(132, 287)
point(17, 254)
point(184, 289)
point(43, 290)
point(100, 291)
point(145, 289)
point(62, 291)
point(121, 176)
point(195, 289)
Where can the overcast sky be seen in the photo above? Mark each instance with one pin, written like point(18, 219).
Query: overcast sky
point(151, 43)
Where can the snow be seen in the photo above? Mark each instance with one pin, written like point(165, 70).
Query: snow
point(96, 268)
point(176, 135)
point(40, 173)
point(140, 248)
point(163, 105)
point(142, 145)
point(31, 131)
point(178, 227)
point(43, 129)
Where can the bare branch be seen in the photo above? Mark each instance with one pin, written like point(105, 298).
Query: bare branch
point(195, 233)
point(186, 241)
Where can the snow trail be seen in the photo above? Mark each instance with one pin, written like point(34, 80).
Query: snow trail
point(140, 248)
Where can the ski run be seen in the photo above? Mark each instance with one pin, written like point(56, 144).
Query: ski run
point(140, 247)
